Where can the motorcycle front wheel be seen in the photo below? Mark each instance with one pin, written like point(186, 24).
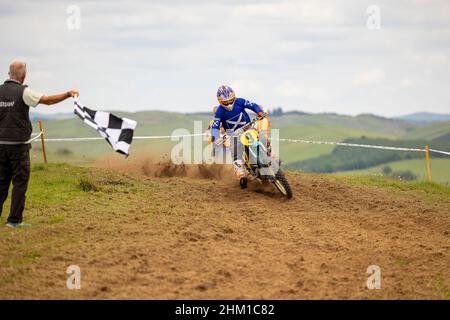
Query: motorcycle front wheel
point(282, 184)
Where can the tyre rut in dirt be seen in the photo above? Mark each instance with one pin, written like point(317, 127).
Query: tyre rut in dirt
point(283, 185)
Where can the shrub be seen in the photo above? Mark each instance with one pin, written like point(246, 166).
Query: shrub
point(404, 175)
point(387, 171)
point(86, 185)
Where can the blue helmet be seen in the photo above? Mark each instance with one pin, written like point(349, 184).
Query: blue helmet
point(226, 97)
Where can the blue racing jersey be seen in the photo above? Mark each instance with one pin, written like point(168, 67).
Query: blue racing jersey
point(234, 119)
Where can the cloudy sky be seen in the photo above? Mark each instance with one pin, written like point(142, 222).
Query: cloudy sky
point(315, 56)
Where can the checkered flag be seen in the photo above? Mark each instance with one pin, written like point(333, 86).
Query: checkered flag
point(117, 131)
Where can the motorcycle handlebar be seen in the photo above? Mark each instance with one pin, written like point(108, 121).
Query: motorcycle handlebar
point(241, 129)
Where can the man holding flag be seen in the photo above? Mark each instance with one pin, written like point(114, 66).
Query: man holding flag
point(15, 131)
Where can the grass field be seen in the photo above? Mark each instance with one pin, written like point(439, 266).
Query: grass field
point(440, 169)
point(324, 127)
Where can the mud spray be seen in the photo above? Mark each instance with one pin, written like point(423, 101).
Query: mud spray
point(160, 166)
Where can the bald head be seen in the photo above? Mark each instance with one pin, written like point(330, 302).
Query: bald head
point(18, 71)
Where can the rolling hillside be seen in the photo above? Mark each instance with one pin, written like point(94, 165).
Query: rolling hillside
point(425, 117)
point(314, 126)
point(429, 131)
point(325, 127)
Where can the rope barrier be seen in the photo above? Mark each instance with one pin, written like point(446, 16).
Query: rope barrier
point(134, 138)
point(282, 139)
point(439, 151)
point(369, 146)
point(37, 135)
point(354, 145)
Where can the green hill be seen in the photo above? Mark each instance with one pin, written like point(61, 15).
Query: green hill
point(429, 131)
point(425, 117)
point(292, 152)
point(440, 169)
point(324, 127)
point(366, 122)
point(346, 158)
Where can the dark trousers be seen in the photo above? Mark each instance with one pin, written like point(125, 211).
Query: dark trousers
point(15, 167)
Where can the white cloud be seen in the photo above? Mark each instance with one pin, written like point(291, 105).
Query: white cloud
point(311, 55)
point(369, 77)
point(247, 87)
point(407, 82)
point(308, 12)
point(289, 89)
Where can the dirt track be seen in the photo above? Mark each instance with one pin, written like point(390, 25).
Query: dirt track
point(203, 238)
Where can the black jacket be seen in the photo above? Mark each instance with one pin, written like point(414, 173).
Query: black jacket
point(15, 124)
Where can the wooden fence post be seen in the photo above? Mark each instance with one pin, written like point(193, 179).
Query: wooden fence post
point(41, 129)
point(427, 157)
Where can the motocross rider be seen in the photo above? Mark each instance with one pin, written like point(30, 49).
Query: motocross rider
point(232, 115)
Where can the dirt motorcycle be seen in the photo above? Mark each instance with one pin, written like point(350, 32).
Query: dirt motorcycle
point(259, 162)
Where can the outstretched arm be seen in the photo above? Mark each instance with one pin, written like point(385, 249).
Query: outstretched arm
point(254, 107)
point(49, 100)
